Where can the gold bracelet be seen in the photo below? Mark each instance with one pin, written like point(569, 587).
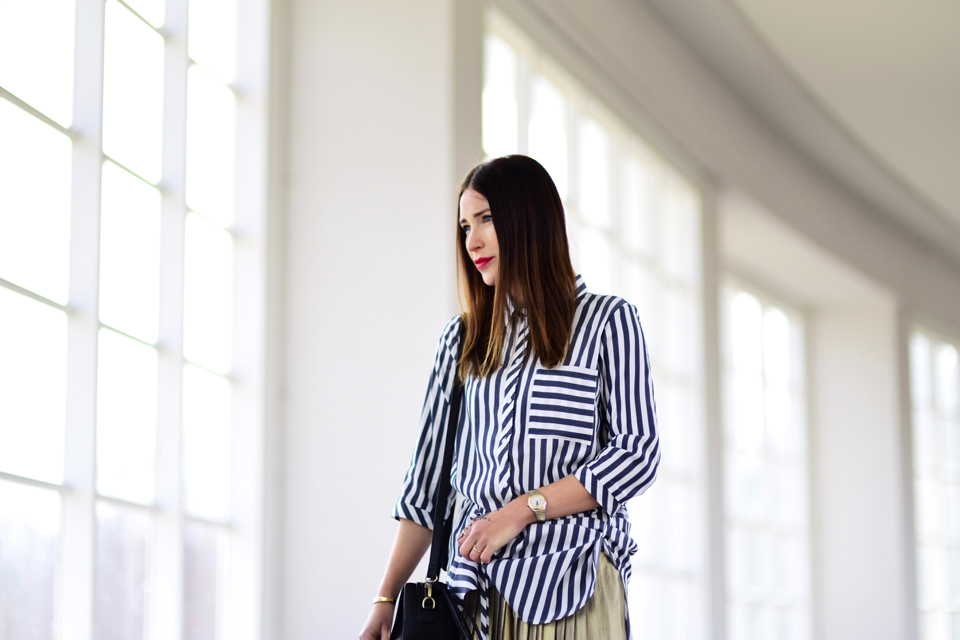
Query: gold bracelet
point(383, 599)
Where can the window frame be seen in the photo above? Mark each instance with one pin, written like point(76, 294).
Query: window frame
point(730, 282)
point(76, 574)
point(936, 333)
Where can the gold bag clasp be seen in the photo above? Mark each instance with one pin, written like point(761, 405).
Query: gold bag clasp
point(429, 598)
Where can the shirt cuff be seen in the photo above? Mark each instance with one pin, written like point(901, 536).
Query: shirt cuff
point(419, 515)
point(598, 490)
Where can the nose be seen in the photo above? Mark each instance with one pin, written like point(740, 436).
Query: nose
point(474, 242)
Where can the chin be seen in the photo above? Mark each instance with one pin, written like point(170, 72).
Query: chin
point(490, 280)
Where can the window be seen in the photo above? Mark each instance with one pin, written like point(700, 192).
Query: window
point(766, 478)
point(935, 394)
point(634, 226)
point(122, 357)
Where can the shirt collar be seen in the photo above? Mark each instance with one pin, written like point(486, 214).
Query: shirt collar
point(581, 287)
point(581, 291)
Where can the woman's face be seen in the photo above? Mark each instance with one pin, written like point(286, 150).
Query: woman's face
point(481, 237)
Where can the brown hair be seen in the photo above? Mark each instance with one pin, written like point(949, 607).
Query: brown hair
point(534, 265)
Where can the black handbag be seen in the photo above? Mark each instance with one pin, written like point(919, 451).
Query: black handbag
point(427, 610)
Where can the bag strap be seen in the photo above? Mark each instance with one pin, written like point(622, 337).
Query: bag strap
point(441, 530)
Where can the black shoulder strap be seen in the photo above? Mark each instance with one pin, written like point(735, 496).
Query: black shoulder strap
point(441, 528)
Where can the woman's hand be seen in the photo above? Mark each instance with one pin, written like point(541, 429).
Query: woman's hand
point(378, 622)
point(488, 533)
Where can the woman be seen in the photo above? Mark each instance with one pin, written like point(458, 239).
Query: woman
point(557, 431)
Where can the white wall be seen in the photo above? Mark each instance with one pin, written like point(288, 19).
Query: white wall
point(371, 215)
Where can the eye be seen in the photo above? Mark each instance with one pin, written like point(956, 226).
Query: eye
point(465, 227)
point(488, 218)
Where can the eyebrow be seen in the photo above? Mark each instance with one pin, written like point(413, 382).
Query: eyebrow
point(478, 213)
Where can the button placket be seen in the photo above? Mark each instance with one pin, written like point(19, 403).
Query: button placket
point(508, 409)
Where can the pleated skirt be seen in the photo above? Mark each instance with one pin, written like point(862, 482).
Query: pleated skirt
point(602, 618)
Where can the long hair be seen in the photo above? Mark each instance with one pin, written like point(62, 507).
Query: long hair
point(534, 269)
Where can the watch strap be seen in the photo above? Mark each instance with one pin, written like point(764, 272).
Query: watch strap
point(541, 513)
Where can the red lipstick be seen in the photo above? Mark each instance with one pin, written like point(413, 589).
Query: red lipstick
point(482, 262)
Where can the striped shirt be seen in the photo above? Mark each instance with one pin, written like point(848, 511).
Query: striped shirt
point(526, 426)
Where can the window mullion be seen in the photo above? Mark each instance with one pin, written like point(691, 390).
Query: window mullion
point(166, 619)
point(244, 593)
point(75, 614)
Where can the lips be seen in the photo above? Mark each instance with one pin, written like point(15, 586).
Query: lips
point(482, 262)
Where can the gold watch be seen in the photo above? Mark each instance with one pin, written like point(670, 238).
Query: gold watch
point(538, 503)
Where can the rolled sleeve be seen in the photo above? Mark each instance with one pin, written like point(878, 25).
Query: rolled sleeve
point(627, 465)
point(416, 501)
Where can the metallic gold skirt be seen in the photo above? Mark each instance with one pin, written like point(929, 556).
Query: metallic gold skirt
point(602, 618)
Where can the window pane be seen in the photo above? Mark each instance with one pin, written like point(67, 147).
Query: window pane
point(595, 184)
point(548, 131)
point(132, 92)
point(776, 346)
point(121, 579)
point(36, 55)
point(765, 468)
point(924, 444)
point(746, 330)
point(499, 98)
point(29, 525)
point(33, 373)
point(682, 439)
point(747, 404)
point(947, 382)
point(129, 254)
point(636, 283)
point(35, 216)
point(210, 146)
point(126, 418)
point(931, 576)
point(639, 207)
point(151, 10)
point(208, 294)
point(954, 579)
point(596, 259)
point(935, 387)
point(928, 512)
point(953, 517)
point(679, 339)
point(202, 560)
point(681, 233)
point(778, 413)
point(206, 443)
point(213, 36)
point(921, 386)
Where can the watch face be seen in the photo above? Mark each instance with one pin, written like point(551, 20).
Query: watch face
point(538, 502)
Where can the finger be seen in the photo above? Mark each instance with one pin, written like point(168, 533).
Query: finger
point(385, 632)
point(476, 552)
point(465, 530)
point(464, 547)
point(487, 554)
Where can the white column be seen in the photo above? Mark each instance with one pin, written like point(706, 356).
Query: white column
point(370, 263)
point(863, 551)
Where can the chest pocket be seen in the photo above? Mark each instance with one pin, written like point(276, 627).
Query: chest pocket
point(562, 403)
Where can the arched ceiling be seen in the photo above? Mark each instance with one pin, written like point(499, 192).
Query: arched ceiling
point(871, 91)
